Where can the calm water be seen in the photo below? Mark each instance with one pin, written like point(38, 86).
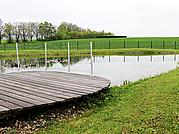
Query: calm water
point(115, 68)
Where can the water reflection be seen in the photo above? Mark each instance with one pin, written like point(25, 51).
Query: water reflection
point(115, 68)
point(158, 58)
point(131, 68)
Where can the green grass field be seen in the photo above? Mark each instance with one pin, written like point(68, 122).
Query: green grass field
point(11, 54)
point(106, 43)
point(147, 106)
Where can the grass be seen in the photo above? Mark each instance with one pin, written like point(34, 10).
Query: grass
point(106, 43)
point(80, 47)
point(146, 106)
point(11, 54)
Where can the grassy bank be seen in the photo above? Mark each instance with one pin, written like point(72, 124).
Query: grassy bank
point(11, 54)
point(146, 106)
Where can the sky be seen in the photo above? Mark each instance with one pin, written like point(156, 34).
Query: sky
point(134, 18)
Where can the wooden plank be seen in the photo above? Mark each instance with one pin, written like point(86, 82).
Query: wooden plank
point(21, 98)
point(71, 76)
point(2, 109)
point(89, 77)
point(15, 101)
point(33, 91)
point(65, 75)
point(30, 96)
point(53, 95)
point(76, 80)
point(78, 77)
point(9, 105)
point(54, 91)
point(50, 84)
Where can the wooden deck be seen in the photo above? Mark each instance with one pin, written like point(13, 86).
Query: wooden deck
point(20, 91)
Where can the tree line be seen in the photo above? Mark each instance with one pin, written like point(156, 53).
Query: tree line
point(28, 31)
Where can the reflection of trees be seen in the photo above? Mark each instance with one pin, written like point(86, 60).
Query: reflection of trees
point(2, 68)
point(74, 60)
point(40, 62)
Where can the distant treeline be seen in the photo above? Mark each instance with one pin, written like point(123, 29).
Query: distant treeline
point(28, 31)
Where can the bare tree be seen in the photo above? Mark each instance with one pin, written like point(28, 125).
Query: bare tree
point(1, 30)
point(23, 31)
point(36, 30)
point(16, 31)
point(30, 30)
point(8, 31)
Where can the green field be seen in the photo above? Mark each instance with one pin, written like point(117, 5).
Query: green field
point(147, 106)
point(105, 43)
point(11, 54)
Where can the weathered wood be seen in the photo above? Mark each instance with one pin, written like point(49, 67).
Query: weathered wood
point(54, 90)
point(15, 101)
point(9, 105)
point(51, 80)
point(85, 82)
point(37, 88)
point(27, 95)
point(2, 109)
point(35, 91)
point(46, 83)
point(19, 91)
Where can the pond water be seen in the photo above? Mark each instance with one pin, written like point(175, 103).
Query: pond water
point(115, 68)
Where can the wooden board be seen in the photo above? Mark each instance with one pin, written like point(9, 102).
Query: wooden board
point(24, 90)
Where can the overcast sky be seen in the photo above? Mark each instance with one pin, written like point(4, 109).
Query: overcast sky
point(122, 17)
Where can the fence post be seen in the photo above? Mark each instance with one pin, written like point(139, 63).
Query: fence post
point(45, 56)
point(163, 44)
point(91, 53)
point(17, 56)
point(124, 44)
point(109, 45)
point(68, 57)
point(151, 58)
point(151, 44)
point(138, 59)
point(175, 45)
point(124, 58)
point(138, 44)
point(109, 58)
point(175, 58)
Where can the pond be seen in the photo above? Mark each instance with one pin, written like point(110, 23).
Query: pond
point(115, 68)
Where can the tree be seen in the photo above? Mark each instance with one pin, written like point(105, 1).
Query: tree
point(36, 30)
point(17, 30)
point(47, 31)
point(62, 31)
point(1, 30)
point(23, 31)
point(30, 27)
point(72, 31)
point(69, 30)
point(8, 31)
